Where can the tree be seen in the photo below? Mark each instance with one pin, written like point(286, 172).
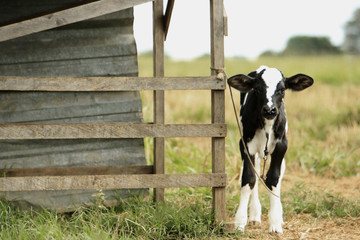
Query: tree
point(307, 45)
point(269, 53)
point(352, 34)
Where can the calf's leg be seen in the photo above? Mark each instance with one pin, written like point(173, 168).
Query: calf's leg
point(255, 206)
point(248, 181)
point(273, 182)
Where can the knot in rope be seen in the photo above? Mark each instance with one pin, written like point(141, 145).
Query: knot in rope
point(220, 73)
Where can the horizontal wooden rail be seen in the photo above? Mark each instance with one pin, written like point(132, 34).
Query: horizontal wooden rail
point(17, 83)
point(64, 17)
point(80, 170)
point(112, 182)
point(108, 130)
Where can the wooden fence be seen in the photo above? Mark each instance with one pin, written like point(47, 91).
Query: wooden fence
point(71, 178)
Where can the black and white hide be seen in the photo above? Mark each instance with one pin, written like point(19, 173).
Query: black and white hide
point(264, 126)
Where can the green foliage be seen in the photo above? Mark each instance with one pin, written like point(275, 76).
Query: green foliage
point(352, 34)
point(269, 53)
point(306, 45)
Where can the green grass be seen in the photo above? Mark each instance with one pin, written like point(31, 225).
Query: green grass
point(135, 218)
point(324, 130)
point(299, 199)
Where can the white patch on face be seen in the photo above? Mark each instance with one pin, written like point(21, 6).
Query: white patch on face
point(272, 77)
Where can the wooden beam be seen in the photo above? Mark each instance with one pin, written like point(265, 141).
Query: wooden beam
point(167, 17)
point(159, 95)
point(79, 170)
point(226, 25)
point(20, 83)
point(64, 17)
point(218, 104)
point(112, 182)
point(108, 130)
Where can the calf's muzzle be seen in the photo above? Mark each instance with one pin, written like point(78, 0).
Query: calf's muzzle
point(269, 113)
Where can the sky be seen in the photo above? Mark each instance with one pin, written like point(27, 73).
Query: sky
point(254, 25)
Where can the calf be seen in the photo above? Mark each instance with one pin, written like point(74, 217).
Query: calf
point(263, 125)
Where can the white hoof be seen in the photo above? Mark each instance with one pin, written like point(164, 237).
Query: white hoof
point(276, 228)
point(239, 227)
point(254, 219)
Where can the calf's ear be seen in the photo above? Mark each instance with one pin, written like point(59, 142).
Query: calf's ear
point(242, 82)
point(298, 82)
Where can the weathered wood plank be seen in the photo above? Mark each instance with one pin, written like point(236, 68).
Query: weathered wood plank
point(64, 17)
point(95, 67)
point(20, 10)
point(218, 104)
point(112, 182)
point(72, 171)
point(19, 83)
point(167, 17)
point(159, 95)
point(109, 130)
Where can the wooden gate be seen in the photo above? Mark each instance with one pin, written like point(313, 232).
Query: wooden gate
point(71, 178)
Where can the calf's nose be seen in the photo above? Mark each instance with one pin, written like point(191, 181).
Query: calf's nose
point(269, 112)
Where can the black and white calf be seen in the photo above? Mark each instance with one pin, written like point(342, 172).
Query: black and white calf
point(264, 126)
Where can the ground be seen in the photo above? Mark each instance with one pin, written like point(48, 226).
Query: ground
point(304, 226)
point(300, 227)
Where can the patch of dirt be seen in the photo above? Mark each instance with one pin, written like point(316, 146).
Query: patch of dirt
point(303, 227)
point(340, 228)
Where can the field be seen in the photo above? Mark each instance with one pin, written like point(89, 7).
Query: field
point(321, 187)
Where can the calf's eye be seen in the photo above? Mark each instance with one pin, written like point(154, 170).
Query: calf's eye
point(280, 91)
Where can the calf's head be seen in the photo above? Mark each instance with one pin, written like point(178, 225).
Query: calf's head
point(267, 87)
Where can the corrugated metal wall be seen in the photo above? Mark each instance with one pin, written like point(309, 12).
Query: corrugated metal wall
point(98, 47)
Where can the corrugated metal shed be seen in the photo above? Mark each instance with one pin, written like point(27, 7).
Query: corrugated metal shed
point(101, 46)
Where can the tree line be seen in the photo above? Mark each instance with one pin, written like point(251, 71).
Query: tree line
point(313, 45)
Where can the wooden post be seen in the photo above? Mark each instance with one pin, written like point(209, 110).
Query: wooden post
point(218, 105)
point(159, 96)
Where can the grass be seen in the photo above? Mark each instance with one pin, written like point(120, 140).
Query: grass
point(135, 219)
point(300, 200)
point(324, 130)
